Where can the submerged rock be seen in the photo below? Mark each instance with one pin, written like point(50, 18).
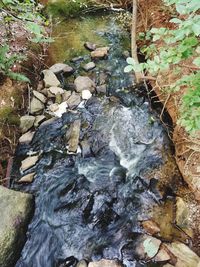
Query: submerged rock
point(36, 106)
point(74, 136)
point(84, 83)
point(101, 89)
point(89, 66)
point(105, 263)
point(27, 178)
point(182, 213)
point(26, 122)
point(16, 209)
point(82, 263)
point(100, 53)
point(61, 68)
point(29, 162)
point(151, 227)
point(50, 79)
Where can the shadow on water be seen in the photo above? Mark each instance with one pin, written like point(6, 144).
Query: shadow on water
point(88, 205)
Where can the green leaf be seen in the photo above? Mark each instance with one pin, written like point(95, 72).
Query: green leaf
point(128, 68)
point(130, 61)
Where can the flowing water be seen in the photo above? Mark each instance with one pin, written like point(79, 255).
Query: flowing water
point(87, 206)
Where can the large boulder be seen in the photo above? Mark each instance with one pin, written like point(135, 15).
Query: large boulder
point(50, 79)
point(16, 209)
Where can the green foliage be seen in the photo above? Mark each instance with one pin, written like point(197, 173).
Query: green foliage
point(27, 14)
point(180, 44)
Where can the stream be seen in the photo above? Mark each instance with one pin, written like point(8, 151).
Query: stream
point(89, 204)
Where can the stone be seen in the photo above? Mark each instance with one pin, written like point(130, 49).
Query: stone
point(27, 178)
point(26, 122)
point(54, 107)
point(55, 90)
point(36, 106)
point(61, 68)
point(105, 263)
point(84, 83)
point(90, 46)
point(85, 94)
point(66, 95)
point(168, 265)
point(89, 66)
point(40, 96)
point(150, 227)
point(185, 256)
point(182, 213)
point(77, 59)
point(126, 54)
point(147, 247)
point(62, 108)
point(74, 136)
point(40, 85)
point(39, 119)
point(162, 255)
point(74, 100)
point(85, 148)
point(100, 53)
point(102, 89)
point(28, 163)
point(82, 263)
point(26, 138)
point(50, 79)
point(16, 210)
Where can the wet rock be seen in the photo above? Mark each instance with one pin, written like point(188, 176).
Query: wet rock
point(182, 213)
point(16, 209)
point(77, 59)
point(74, 100)
point(28, 163)
point(100, 53)
point(55, 90)
point(185, 256)
point(151, 227)
point(126, 54)
point(74, 136)
point(62, 108)
point(90, 46)
point(40, 96)
point(50, 79)
point(66, 95)
point(39, 119)
point(27, 178)
point(89, 66)
point(26, 122)
point(61, 68)
point(103, 77)
point(26, 138)
point(36, 106)
point(162, 255)
point(85, 94)
point(105, 263)
point(84, 83)
point(168, 265)
point(85, 147)
point(82, 263)
point(147, 247)
point(101, 89)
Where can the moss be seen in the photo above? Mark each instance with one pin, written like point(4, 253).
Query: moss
point(7, 115)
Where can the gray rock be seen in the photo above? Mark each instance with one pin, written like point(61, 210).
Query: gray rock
point(89, 66)
point(76, 59)
point(50, 79)
point(126, 54)
point(66, 95)
point(61, 68)
point(26, 122)
point(90, 46)
point(26, 138)
point(162, 255)
point(16, 209)
point(56, 90)
point(28, 163)
point(85, 147)
point(82, 263)
point(54, 107)
point(27, 178)
point(101, 89)
point(100, 53)
point(74, 100)
point(36, 106)
point(84, 83)
point(105, 263)
point(74, 136)
point(185, 256)
point(39, 119)
point(40, 96)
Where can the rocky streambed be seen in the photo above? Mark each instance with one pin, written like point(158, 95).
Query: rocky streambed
point(98, 161)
